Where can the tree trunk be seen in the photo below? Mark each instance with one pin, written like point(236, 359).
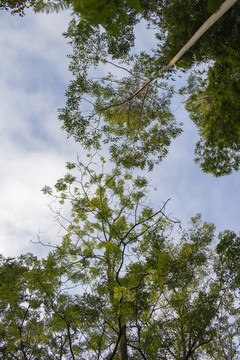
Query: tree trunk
point(210, 21)
point(123, 345)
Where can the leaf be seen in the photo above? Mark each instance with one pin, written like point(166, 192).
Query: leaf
point(213, 5)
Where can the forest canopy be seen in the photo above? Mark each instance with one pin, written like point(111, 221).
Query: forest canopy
point(135, 120)
point(137, 123)
point(127, 281)
point(120, 285)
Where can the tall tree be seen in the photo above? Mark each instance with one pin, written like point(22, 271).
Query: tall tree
point(119, 286)
point(133, 115)
point(129, 113)
point(155, 298)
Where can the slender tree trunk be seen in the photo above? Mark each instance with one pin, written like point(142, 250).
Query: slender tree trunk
point(208, 23)
point(123, 345)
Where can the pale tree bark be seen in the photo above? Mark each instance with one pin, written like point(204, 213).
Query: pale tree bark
point(208, 23)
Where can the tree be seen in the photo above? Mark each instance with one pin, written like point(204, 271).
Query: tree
point(118, 286)
point(157, 299)
point(118, 18)
point(133, 115)
point(129, 113)
point(139, 131)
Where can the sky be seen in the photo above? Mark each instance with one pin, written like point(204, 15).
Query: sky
point(33, 79)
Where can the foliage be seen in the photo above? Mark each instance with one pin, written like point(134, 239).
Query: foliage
point(100, 110)
point(139, 130)
point(214, 107)
point(181, 19)
point(137, 124)
point(213, 5)
point(118, 286)
point(124, 284)
point(21, 326)
point(32, 326)
point(175, 22)
point(19, 6)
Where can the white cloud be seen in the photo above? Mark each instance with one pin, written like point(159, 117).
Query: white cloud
point(33, 148)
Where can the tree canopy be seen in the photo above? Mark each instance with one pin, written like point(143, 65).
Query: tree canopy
point(137, 122)
point(121, 285)
point(127, 281)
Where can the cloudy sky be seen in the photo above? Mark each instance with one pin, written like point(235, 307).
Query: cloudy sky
point(33, 78)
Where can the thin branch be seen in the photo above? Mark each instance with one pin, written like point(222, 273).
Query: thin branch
point(142, 222)
point(70, 341)
point(139, 350)
point(121, 67)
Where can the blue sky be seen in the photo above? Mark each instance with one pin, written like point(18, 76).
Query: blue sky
point(33, 78)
